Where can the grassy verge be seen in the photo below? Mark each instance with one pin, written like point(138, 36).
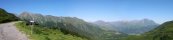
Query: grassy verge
point(41, 33)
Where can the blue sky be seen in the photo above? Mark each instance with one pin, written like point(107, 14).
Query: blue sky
point(93, 10)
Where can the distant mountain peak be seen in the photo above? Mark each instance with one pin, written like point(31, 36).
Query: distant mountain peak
point(130, 27)
point(146, 19)
point(100, 21)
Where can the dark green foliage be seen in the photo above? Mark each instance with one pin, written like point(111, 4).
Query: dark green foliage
point(41, 33)
point(6, 17)
point(163, 32)
point(70, 25)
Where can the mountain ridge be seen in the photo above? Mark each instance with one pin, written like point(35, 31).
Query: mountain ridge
point(132, 25)
point(72, 25)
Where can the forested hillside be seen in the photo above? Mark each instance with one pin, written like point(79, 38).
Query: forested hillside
point(163, 32)
point(41, 33)
point(6, 17)
point(73, 26)
point(49, 27)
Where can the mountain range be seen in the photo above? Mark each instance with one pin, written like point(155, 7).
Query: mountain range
point(129, 27)
point(73, 25)
point(162, 32)
point(99, 30)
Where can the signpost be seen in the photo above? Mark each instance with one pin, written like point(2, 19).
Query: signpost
point(32, 22)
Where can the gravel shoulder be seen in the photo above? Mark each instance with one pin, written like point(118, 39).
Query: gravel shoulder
point(8, 31)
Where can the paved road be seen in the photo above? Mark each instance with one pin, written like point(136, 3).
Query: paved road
point(9, 32)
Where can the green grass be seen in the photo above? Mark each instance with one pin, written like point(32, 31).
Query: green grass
point(41, 33)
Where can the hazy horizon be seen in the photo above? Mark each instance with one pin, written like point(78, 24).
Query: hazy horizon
point(92, 10)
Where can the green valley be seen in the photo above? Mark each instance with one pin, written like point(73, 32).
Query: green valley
point(162, 32)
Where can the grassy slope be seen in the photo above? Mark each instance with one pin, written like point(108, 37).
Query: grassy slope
point(6, 17)
point(163, 32)
point(40, 33)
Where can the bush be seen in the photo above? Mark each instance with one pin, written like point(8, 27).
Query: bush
point(6, 17)
point(41, 33)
